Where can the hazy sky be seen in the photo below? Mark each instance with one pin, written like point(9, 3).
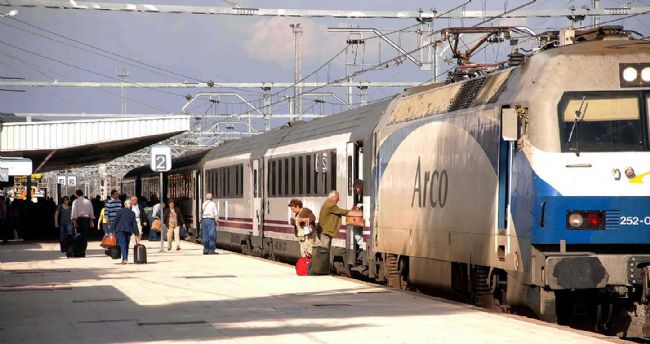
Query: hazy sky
point(219, 48)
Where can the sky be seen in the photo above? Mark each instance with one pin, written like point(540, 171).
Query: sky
point(222, 49)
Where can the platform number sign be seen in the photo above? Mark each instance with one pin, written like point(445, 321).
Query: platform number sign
point(161, 159)
point(161, 162)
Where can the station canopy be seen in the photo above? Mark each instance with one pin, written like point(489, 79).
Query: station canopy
point(57, 145)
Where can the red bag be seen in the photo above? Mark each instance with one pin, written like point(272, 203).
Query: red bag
point(108, 241)
point(302, 266)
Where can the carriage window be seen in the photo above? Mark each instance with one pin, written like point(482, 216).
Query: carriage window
point(332, 171)
point(286, 177)
point(308, 170)
point(292, 167)
point(272, 174)
point(255, 183)
point(324, 166)
point(602, 122)
point(301, 177)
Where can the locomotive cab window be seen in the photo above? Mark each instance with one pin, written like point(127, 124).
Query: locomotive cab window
point(603, 122)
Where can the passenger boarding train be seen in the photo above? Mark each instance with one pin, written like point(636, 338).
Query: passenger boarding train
point(525, 187)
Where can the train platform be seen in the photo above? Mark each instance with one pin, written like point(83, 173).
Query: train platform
point(185, 296)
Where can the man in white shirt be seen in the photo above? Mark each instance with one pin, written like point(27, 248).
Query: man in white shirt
point(209, 218)
point(140, 218)
point(82, 215)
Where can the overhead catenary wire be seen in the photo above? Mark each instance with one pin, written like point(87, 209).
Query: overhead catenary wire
point(42, 72)
point(88, 70)
point(133, 62)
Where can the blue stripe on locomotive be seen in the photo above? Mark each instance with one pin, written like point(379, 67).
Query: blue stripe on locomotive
point(540, 212)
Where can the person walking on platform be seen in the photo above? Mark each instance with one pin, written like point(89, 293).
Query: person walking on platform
point(304, 222)
point(209, 218)
point(329, 219)
point(173, 219)
point(3, 220)
point(125, 225)
point(63, 221)
point(140, 216)
point(82, 215)
point(102, 223)
point(112, 207)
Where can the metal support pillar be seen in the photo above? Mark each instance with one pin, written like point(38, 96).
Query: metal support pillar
point(267, 108)
point(297, 32)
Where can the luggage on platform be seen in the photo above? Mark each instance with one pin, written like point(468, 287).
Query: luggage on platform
point(140, 254)
point(302, 266)
point(76, 246)
point(320, 261)
point(109, 241)
point(115, 252)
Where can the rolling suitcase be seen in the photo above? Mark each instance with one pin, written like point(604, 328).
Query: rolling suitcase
point(115, 252)
point(76, 246)
point(302, 266)
point(139, 254)
point(320, 261)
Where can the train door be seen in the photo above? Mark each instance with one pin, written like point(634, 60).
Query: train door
point(198, 199)
point(354, 166)
point(258, 209)
point(509, 127)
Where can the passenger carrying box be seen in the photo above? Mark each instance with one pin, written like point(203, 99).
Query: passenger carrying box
point(354, 218)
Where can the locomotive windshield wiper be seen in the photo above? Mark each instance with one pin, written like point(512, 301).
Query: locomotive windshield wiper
point(579, 115)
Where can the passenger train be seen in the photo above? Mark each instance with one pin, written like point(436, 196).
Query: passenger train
point(527, 187)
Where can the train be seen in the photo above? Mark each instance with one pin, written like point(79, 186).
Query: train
point(525, 187)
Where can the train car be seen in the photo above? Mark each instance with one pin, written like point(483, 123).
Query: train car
point(254, 179)
point(181, 183)
point(525, 187)
point(182, 186)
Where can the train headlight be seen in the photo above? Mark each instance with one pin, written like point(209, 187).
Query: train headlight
point(576, 220)
point(630, 74)
point(634, 74)
point(645, 74)
point(585, 219)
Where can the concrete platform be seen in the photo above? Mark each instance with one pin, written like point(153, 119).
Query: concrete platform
point(184, 296)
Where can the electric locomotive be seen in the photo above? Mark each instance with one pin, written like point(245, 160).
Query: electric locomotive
point(529, 186)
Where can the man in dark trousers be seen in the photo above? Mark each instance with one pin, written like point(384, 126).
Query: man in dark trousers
point(82, 215)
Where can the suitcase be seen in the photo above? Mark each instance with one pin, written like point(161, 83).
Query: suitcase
point(354, 218)
point(139, 254)
point(302, 266)
point(76, 247)
point(115, 252)
point(320, 261)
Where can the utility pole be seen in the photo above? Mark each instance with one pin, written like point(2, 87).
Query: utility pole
point(122, 73)
point(297, 99)
point(595, 5)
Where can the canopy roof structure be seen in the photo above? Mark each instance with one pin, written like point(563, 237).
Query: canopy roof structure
point(56, 145)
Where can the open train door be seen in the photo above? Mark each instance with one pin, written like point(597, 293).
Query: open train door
point(354, 166)
point(258, 205)
point(198, 201)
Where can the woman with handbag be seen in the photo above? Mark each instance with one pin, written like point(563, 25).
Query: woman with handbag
point(173, 219)
point(304, 222)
